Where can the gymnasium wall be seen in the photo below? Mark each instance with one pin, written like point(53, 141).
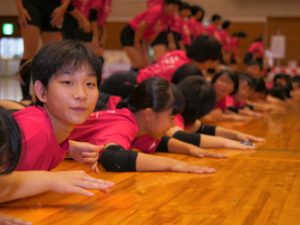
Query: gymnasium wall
point(256, 17)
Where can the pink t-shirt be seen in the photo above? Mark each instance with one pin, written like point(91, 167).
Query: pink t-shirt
point(40, 149)
point(234, 46)
point(165, 66)
point(179, 121)
point(181, 26)
point(146, 144)
point(155, 19)
point(108, 126)
point(196, 28)
point(224, 103)
point(257, 48)
point(213, 31)
point(103, 7)
point(113, 102)
point(225, 40)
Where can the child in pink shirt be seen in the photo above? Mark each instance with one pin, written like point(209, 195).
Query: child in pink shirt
point(200, 99)
point(214, 28)
point(143, 29)
point(225, 84)
point(148, 113)
point(195, 22)
point(203, 53)
point(65, 78)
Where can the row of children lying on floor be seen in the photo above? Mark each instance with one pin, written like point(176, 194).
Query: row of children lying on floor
point(66, 77)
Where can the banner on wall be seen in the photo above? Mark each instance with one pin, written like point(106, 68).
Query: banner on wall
point(278, 46)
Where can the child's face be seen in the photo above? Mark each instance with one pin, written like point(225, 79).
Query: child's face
point(185, 13)
point(223, 86)
point(198, 15)
point(160, 123)
point(254, 71)
point(71, 97)
point(171, 9)
point(244, 91)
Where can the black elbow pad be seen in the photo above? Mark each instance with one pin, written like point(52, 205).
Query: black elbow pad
point(191, 138)
point(93, 15)
point(207, 129)
point(163, 144)
point(115, 158)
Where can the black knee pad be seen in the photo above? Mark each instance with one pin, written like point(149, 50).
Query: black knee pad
point(190, 138)
point(115, 158)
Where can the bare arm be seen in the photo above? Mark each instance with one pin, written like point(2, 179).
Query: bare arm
point(147, 162)
point(82, 21)
point(236, 135)
point(28, 183)
point(23, 14)
point(139, 34)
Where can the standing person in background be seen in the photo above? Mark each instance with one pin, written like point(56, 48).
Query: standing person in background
point(195, 22)
point(255, 52)
point(225, 39)
point(38, 20)
point(214, 28)
point(203, 54)
point(95, 13)
point(235, 49)
point(147, 28)
point(180, 27)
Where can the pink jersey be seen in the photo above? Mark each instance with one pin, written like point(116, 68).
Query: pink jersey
point(145, 144)
point(108, 126)
point(196, 28)
point(40, 149)
point(225, 40)
point(224, 103)
point(234, 46)
point(257, 48)
point(152, 3)
point(164, 67)
point(213, 31)
point(103, 7)
point(179, 121)
point(181, 26)
point(231, 101)
point(155, 19)
point(113, 102)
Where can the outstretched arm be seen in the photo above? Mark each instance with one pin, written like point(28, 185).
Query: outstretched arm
point(115, 158)
point(28, 183)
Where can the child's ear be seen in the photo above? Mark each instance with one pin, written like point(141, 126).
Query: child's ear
point(40, 91)
point(148, 114)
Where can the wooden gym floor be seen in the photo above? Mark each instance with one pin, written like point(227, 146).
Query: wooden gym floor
point(248, 188)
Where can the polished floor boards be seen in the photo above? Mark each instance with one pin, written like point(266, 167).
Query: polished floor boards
point(248, 188)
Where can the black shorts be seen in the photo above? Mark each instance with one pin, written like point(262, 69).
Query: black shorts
point(177, 39)
point(40, 12)
point(71, 30)
point(127, 36)
point(161, 39)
